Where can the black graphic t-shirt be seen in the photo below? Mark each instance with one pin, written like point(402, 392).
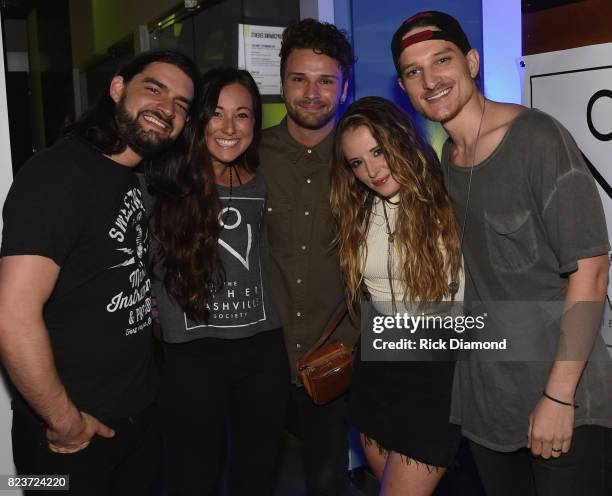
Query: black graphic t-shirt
point(85, 212)
point(243, 307)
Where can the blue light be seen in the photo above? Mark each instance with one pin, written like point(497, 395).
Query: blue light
point(502, 46)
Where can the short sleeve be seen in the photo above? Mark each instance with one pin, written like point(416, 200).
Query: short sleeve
point(43, 213)
point(570, 204)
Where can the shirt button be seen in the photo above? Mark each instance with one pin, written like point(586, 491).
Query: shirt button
point(298, 346)
point(307, 212)
point(308, 180)
point(303, 247)
point(309, 151)
point(299, 314)
point(299, 281)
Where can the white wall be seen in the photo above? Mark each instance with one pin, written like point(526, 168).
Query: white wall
point(6, 177)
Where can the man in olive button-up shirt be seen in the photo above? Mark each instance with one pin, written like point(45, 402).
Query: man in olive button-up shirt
point(306, 281)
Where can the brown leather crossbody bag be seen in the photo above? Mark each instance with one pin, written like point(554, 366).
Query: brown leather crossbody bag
point(325, 370)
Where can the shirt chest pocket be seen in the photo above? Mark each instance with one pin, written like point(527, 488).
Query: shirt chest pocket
point(277, 221)
point(511, 241)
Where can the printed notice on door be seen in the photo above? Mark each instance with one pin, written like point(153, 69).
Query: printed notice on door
point(258, 53)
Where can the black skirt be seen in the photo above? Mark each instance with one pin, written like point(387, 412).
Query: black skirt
point(404, 407)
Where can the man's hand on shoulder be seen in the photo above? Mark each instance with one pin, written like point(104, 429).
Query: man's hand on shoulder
point(75, 432)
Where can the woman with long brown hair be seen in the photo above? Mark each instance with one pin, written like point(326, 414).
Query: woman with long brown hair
point(398, 248)
point(225, 359)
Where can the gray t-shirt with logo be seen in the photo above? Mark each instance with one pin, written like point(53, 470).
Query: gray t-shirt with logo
point(533, 212)
point(243, 307)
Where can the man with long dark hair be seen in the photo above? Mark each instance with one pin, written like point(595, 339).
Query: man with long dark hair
point(532, 229)
point(75, 309)
point(316, 60)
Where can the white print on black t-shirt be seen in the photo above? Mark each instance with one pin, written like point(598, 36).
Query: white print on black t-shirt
point(132, 202)
point(223, 215)
point(130, 231)
point(240, 302)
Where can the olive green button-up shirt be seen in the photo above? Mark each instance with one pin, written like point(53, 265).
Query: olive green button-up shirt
point(306, 280)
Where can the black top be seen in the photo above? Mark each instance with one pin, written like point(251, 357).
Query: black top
point(85, 212)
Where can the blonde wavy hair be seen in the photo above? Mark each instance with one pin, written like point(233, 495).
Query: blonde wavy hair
point(425, 229)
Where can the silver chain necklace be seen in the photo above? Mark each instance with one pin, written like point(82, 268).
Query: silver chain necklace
point(453, 286)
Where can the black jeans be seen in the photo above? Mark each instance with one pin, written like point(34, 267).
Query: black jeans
point(324, 444)
point(579, 472)
point(209, 384)
point(127, 464)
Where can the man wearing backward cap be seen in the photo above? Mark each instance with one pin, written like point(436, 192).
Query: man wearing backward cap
point(532, 229)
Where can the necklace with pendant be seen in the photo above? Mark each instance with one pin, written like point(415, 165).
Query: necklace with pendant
point(390, 234)
point(390, 250)
point(453, 286)
point(228, 206)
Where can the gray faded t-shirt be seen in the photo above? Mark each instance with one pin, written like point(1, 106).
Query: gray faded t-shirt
point(534, 211)
point(243, 307)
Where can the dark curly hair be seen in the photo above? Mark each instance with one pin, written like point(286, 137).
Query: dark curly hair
point(185, 220)
point(323, 38)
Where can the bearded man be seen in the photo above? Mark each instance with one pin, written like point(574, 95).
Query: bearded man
point(75, 308)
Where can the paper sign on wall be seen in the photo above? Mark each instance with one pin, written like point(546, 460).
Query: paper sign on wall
point(258, 53)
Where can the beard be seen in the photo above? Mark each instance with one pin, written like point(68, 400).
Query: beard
point(147, 144)
point(309, 120)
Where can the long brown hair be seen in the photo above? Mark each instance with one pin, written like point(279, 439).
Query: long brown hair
point(185, 220)
point(425, 219)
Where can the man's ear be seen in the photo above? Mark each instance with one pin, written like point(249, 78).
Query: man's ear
point(116, 89)
point(473, 60)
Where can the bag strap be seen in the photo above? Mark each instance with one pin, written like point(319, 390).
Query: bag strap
point(332, 325)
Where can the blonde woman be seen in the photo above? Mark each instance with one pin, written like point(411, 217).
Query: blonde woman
point(398, 243)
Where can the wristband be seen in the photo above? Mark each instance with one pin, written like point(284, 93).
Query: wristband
point(546, 395)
